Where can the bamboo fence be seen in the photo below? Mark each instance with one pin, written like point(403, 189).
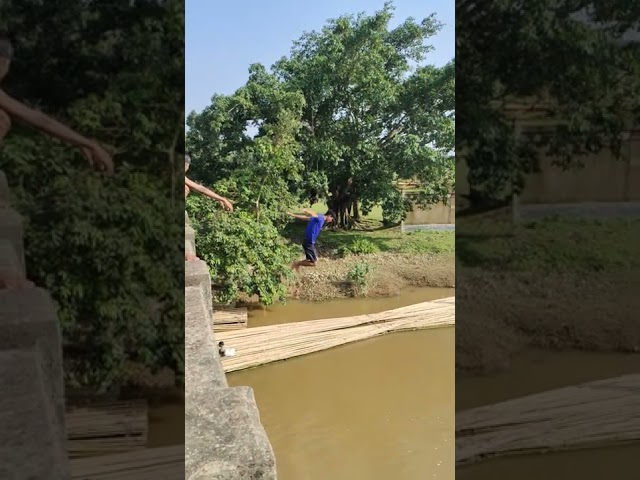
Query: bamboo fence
point(149, 464)
point(257, 346)
point(592, 415)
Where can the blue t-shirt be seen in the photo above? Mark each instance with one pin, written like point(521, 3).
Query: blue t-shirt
point(313, 228)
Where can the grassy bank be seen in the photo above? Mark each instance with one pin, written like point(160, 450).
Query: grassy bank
point(556, 284)
point(552, 245)
point(392, 260)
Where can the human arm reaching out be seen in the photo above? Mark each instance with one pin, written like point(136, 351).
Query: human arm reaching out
point(90, 148)
point(226, 204)
point(310, 212)
point(298, 217)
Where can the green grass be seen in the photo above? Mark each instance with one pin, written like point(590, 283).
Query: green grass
point(558, 245)
point(389, 240)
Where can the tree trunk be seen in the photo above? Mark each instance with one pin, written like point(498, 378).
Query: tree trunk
point(341, 206)
point(356, 210)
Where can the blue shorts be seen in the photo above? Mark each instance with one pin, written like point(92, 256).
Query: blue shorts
point(310, 251)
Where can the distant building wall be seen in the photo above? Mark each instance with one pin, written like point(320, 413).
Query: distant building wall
point(435, 214)
point(603, 178)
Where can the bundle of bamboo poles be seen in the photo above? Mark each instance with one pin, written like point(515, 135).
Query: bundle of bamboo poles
point(106, 427)
point(148, 464)
point(257, 346)
point(591, 415)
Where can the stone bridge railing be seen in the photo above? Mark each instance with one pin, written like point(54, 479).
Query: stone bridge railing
point(32, 430)
point(224, 439)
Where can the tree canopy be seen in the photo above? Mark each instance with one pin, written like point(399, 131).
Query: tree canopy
point(576, 59)
point(350, 111)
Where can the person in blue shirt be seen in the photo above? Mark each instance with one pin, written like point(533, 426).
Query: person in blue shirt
point(314, 225)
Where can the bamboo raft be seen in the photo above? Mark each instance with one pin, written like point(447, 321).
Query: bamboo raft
point(257, 346)
point(592, 415)
point(229, 319)
point(106, 428)
point(149, 464)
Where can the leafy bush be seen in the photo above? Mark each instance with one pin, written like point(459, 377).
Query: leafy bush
point(358, 277)
point(109, 252)
point(359, 246)
point(243, 255)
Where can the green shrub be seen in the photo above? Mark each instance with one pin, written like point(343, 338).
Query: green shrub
point(359, 246)
point(358, 278)
point(109, 252)
point(244, 255)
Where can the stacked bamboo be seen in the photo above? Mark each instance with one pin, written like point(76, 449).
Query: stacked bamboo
point(592, 415)
point(229, 319)
point(106, 428)
point(257, 346)
point(150, 464)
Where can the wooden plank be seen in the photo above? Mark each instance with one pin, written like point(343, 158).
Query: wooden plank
point(596, 414)
point(166, 463)
point(257, 346)
point(106, 427)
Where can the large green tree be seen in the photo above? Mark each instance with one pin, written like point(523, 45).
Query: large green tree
point(556, 54)
point(353, 109)
point(374, 112)
point(108, 249)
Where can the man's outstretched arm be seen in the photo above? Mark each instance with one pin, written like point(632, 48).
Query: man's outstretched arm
point(54, 128)
point(310, 212)
point(208, 193)
point(299, 217)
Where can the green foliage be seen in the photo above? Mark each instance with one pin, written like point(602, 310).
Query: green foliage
point(358, 277)
point(114, 270)
point(579, 73)
point(359, 246)
point(362, 124)
point(337, 120)
point(108, 249)
point(395, 208)
point(244, 255)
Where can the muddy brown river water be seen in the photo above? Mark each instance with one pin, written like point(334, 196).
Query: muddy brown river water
point(384, 408)
point(377, 409)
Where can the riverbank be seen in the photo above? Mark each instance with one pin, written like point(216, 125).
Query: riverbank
point(394, 260)
point(557, 284)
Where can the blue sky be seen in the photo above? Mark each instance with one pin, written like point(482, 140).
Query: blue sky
point(224, 37)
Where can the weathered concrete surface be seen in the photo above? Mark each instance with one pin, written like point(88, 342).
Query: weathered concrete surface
point(32, 428)
point(224, 438)
point(8, 260)
point(30, 445)
point(202, 366)
point(196, 274)
point(190, 237)
point(4, 189)
point(11, 231)
point(28, 319)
